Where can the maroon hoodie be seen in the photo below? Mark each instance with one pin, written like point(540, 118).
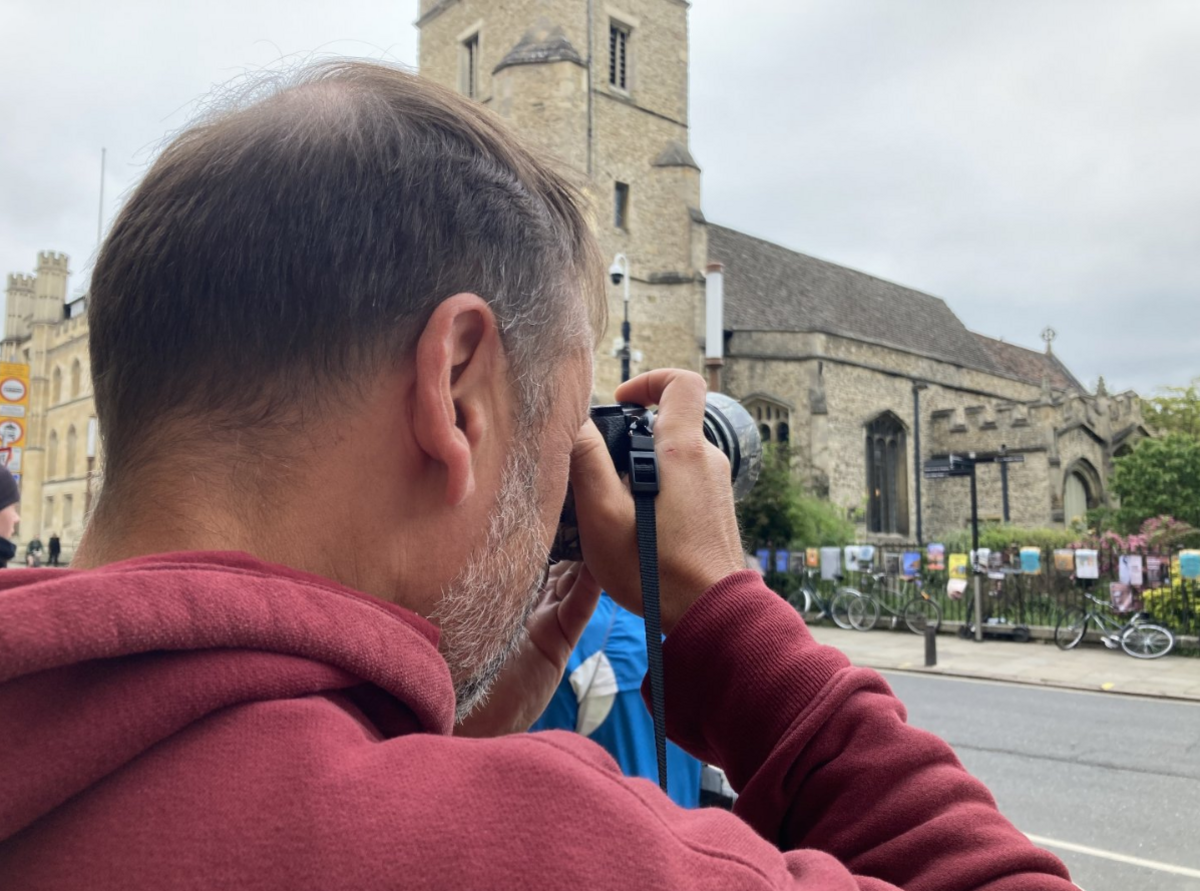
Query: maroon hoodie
point(210, 721)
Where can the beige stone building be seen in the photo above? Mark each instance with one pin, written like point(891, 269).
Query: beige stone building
point(49, 334)
point(849, 370)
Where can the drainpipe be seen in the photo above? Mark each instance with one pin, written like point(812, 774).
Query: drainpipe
point(917, 387)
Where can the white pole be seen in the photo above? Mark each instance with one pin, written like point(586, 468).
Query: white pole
point(714, 324)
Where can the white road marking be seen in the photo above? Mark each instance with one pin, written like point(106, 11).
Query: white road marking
point(1118, 858)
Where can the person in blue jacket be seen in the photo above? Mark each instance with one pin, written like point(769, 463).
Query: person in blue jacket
point(600, 697)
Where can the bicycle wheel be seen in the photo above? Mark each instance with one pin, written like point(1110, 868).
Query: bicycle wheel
point(839, 607)
point(810, 605)
point(863, 612)
point(920, 613)
point(1070, 629)
point(1147, 641)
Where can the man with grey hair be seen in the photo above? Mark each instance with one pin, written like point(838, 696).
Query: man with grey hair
point(355, 311)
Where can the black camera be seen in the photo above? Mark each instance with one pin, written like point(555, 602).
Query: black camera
point(727, 426)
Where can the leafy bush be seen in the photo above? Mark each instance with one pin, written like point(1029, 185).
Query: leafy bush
point(1001, 536)
point(778, 513)
point(1159, 477)
point(1168, 606)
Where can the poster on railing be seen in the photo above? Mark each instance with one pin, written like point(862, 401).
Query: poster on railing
point(1087, 564)
point(1154, 571)
point(866, 558)
point(831, 563)
point(851, 552)
point(910, 566)
point(1122, 597)
point(891, 564)
point(1189, 564)
point(812, 557)
point(764, 560)
point(781, 561)
point(935, 557)
point(1129, 570)
point(1031, 561)
point(1064, 560)
point(958, 566)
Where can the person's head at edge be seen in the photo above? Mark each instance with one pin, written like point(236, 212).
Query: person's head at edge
point(10, 497)
point(348, 327)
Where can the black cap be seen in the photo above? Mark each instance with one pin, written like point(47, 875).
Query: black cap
point(9, 493)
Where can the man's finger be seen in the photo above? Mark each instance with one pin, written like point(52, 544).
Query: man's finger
point(598, 489)
point(576, 608)
point(679, 396)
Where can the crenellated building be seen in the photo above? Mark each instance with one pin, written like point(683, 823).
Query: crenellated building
point(48, 332)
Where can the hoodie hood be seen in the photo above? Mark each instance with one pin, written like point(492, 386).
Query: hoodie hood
point(98, 666)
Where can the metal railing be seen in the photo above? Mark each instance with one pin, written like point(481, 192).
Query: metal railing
point(1040, 599)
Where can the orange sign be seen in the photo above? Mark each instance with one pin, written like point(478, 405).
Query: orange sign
point(14, 414)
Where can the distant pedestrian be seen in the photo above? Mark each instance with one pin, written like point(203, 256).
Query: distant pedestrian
point(9, 496)
point(55, 548)
point(33, 552)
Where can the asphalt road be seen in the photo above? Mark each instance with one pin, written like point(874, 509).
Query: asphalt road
point(1116, 776)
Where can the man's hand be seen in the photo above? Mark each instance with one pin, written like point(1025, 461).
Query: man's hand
point(534, 670)
point(698, 540)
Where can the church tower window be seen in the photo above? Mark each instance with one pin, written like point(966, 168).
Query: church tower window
point(621, 206)
point(887, 476)
point(469, 63)
point(618, 55)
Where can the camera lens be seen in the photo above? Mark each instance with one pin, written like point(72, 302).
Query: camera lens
point(730, 428)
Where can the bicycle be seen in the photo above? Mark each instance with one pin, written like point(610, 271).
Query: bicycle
point(815, 607)
point(919, 612)
point(1139, 639)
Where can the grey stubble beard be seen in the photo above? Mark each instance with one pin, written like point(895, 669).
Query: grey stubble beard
point(484, 608)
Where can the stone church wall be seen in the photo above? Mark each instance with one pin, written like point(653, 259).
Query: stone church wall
point(838, 386)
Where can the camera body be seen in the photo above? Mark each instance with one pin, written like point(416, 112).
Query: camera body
point(727, 426)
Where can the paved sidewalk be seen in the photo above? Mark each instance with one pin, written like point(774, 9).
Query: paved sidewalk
point(1036, 662)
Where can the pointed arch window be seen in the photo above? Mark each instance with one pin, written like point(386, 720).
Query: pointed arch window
point(887, 476)
point(71, 438)
point(56, 386)
point(52, 456)
point(76, 379)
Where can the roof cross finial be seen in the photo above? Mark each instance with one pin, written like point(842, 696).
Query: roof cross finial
point(1048, 335)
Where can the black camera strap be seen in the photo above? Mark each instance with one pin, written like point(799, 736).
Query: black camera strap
point(643, 480)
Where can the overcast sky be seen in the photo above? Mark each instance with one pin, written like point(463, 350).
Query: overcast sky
point(1032, 162)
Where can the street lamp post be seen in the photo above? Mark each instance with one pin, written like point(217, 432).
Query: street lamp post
point(619, 272)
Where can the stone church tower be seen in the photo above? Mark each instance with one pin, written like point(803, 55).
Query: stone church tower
point(604, 89)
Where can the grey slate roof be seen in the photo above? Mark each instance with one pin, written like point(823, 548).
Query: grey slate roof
point(1030, 365)
point(771, 288)
point(541, 43)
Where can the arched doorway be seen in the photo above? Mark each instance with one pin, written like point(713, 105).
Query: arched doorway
point(1081, 491)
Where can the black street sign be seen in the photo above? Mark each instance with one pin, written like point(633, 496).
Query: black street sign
point(1010, 459)
point(952, 465)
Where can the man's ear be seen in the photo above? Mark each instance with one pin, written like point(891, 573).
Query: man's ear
point(459, 360)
